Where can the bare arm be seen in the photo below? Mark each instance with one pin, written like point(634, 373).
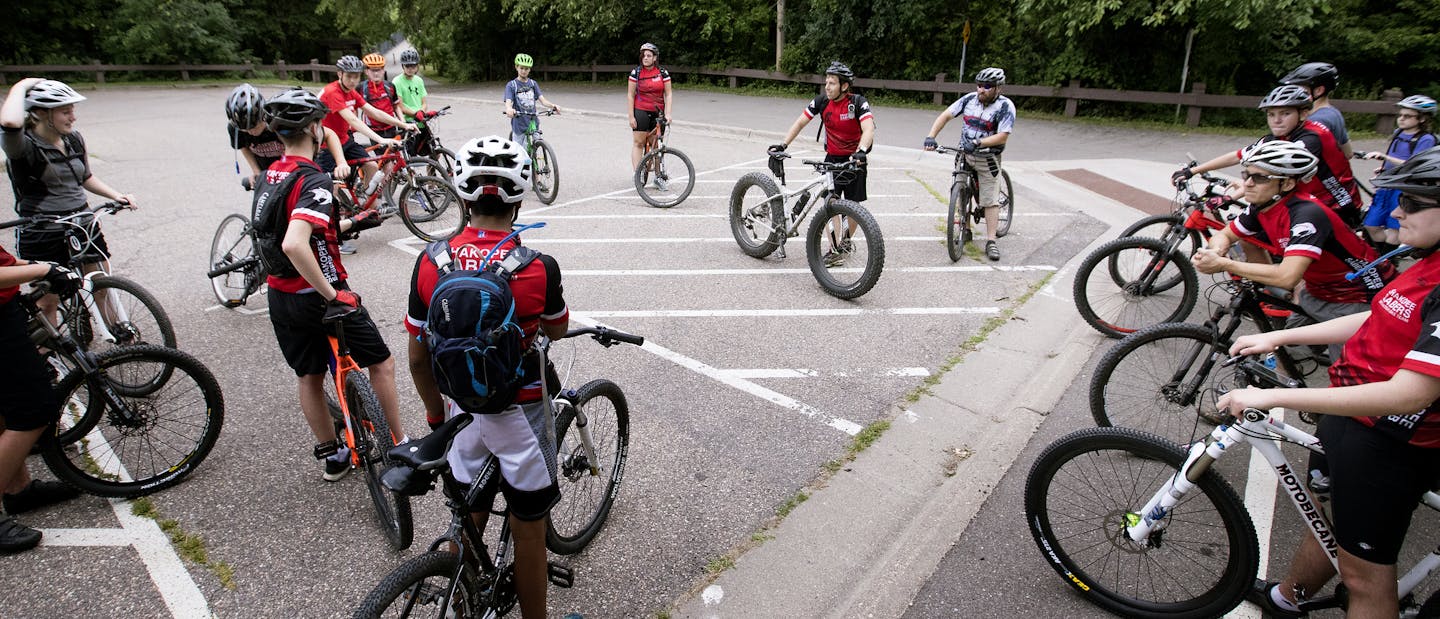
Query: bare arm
point(998, 139)
point(669, 101)
point(424, 378)
point(1223, 161)
point(21, 272)
point(795, 128)
point(630, 96)
point(1406, 392)
point(867, 134)
point(359, 126)
point(375, 113)
point(337, 151)
point(1286, 275)
point(99, 188)
point(939, 124)
point(1334, 331)
point(12, 113)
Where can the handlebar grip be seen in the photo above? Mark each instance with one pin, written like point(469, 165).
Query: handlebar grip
point(637, 340)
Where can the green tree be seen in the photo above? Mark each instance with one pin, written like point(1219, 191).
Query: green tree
point(173, 31)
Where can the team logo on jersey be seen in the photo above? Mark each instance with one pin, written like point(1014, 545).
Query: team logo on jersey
point(1398, 305)
point(1301, 229)
point(320, 195)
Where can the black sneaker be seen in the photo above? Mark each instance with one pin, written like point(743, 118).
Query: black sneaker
point(1259, 595)
point(336, 469)
point(40, 493)
point(16, 537)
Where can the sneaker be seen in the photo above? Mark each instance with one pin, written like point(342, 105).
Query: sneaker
point(389, 210)
point(335, 470)
point(347, 248)
point(16, 537)
point(992, 251)
point(833, 258)
point(40, 493)
point(1259, 595)
point(661, 184)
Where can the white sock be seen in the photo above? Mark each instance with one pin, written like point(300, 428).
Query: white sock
point(341, 455)
point(1280, 600)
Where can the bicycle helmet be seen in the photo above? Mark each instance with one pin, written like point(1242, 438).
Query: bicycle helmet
point(409, 57)
point(349, 64)
point(1419, 175)
point(650, 47)
point(374, 61)
point(838, 69)
point(1313, 74)
point(1282, 158)
point(1287, 96)
point(50, 94)
point(492, 165)
point(524, 60)
point(1419, 103)
point(993, 74)
point(293, 110)
point(244, 107)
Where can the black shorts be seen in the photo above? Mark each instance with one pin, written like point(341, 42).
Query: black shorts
point(645, 120)
point(352, 149)
point(1376, 483)
point(850, 185)
point(29, 403)
point(52, 242)
point(304, 338)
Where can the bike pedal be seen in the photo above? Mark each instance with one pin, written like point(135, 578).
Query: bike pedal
point(561, 576)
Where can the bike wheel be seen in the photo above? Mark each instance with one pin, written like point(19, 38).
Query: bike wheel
point(1155, 381)
point(133, 444)
point(373, 440)
point(844, 248)
point(756, 214)
point(232, 244)
point(664, 178)
point(1156, 227)
point(957, 221)
point(418, 588)
point(1083, 490)
point(132, 315)
point(588, 488)
point(546, 178)
point(431, 209)
point(1126, 294)
point(1006, 201)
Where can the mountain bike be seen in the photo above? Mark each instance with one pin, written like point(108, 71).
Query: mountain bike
point(360, 425)
point(417, 188)
point(236, 272)
point(544, 167)
point(468, 580)
point(423, 143)
point(665, 176)
point(965, 206)
point(842, 233)
point(1153, 379)
point(1144, 527)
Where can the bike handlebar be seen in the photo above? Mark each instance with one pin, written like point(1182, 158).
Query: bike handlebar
point(988, 150)
point(109, 208)
point(606, 336)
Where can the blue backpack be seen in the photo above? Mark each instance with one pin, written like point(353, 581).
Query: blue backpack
point(476, 347)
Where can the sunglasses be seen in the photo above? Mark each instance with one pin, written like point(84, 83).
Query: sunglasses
point(1412, 206)
point(1408, 115)
point(985, 85)
point(1246, 176)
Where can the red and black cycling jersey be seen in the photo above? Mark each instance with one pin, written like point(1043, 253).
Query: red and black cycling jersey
point(7, 293)
point(1334, 183)
point(309, 201)
point(1297, 225)
point(841, 119)
point(649, 87)
point(538, 293)
point(382, 95)
point(266, 147)
point(337, 98)
point(1402, 333)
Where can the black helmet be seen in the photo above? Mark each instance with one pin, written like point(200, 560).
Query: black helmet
point(350, 64)
point(243, 108)
point(838, 69)
point(1419, 175)
point(1313, 74)
point(409, 57)
point(293, 110)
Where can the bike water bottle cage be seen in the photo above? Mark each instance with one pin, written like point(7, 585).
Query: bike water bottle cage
point(327, 449)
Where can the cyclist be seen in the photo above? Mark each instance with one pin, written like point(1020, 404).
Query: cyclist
point(989, 118)
point(409, 86)
point(309, 276)
point(29, 404)
point(1387, 382)
point(257, 143)
point(345, 103)
point(492, 178)
point(381, 95)
point(521, 95)
point(650, 97)
point(1413, 134)
point(50, 173)
point(1285, 108)
point(1320, 80)
point(849, 135)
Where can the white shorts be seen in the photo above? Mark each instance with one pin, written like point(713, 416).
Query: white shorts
point(522, 438)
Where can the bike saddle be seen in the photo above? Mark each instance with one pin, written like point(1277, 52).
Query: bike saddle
point(429, 453)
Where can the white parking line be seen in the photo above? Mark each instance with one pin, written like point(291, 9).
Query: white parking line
point(806, 373)
point(727, 196)
point(683, 240)
point(791, 313)
point(710, 272)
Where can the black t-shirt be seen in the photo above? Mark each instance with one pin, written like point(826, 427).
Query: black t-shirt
point(266, 147)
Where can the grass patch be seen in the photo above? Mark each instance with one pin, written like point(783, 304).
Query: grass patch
point(934, 193)
point(719, 564)
point(187, 545)
point(791, 503)
point(761, 537)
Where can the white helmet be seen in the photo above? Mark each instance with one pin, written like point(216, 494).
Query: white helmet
point(48, 94)
point(994, 75)
point(1282, 158)
point(492, 165)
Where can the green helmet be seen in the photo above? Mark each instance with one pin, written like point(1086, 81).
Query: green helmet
point(524, 60)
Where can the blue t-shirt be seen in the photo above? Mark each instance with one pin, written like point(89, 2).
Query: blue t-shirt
point(524, 95)
point(984, 120)
point(1331, 118)
point(1405, 145)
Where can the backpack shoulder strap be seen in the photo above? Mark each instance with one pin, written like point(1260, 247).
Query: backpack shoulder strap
point(276, 198)
point(439, 254)
point(518, 258)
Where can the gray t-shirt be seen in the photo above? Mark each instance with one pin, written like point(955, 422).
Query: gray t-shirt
point(46, 179)
point(1331, 118)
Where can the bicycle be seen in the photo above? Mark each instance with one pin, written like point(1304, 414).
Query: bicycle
point(423, 143)
point(1152, 377)
point(1136, 286)
point(544, 167)
point(843, 231)
point(965, 207)
point(413, 187)
point(468, 581)
point(1144, 527)
point(665, 176)
point(361, 426)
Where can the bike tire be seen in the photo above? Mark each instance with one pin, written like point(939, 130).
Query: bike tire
point(232, 244)
point(1116, 299)
point(673, 168)
point(1077, 507)
point(957, 222)
point(446, 158)
point(145, 322)
point(417, 588)
point(587, 495)
point(873, 245)
point(546, 178)
point(1156, 226)
point(756, 222)
point(1006, 200)
point(431, 201)
point(174, 427)
point(415, 167)
point(1155, 381)
point(374, 440)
